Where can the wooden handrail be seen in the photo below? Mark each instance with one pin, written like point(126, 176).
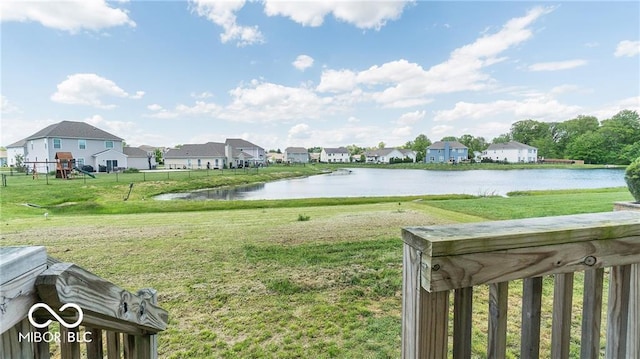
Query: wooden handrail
point(455, 258)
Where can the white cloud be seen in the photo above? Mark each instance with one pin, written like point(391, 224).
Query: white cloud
point(441, 130)
point(610, 109)
point(337, 81)
point(6, 107)
point(223, 13)
point(627, 48)
point(202, 95)
point(538, 108)
point(410, 118)
point(299, 131)
point(89, 89)
point(154, 107)
point(404, 84)
point(303, 62)
point(364, 15)
point(557, 65)
point(68, 15)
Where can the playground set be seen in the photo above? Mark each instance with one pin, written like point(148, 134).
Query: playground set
point(65, 165)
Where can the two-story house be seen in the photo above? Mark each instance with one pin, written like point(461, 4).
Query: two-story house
point(296, 155)
point(340, 154)
point(234, 153)
point(511, 152)
point(446, 152)
point(87, 144)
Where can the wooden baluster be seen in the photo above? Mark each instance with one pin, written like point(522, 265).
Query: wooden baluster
point(561, 326)
point(462, 311)
point(591, 313)
point(531, 304)
point(498, 305)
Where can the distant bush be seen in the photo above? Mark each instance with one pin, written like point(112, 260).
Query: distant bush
point(303, 218)
point(632, 177)
point(131, 170)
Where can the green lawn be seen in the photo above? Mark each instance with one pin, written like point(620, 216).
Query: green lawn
point(262, 282)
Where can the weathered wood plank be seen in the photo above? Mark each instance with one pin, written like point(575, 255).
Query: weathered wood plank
point(17, 296)
point(591, 313)
point(633, 337)
point(531, 232)
point(434, 325)
point(410, 301)
point(94, 347)
point(105, 305)
point(530, 331)
point(114, 347)
point(42, 347)
point(497, 335)
point(69, 350)
point(15, 261)
point(618, 312)
point(462, 312)
point(451, 272)
point(151, 295)
point(561, 317)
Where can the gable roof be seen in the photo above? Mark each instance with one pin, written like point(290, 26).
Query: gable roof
point(240, 143)
point(379, 152)
point(209, 149)
point(296, 150)
point(20, 143)
point(511, 145)
point(134, 152)
point(336, 150)
point(439, 145)
point(72, 129)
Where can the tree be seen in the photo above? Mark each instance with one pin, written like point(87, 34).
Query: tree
point(590, 147)
point(475, 144)
point(20, 166)
point(159, 156)
point(527, 131)
point(355, 150)
point(449, 138)
point(419, 145)
point(619, 131)
point(503, 138)
point(567, 131)
point(381, 145)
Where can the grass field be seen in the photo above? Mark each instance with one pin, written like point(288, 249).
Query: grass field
point(282, 279)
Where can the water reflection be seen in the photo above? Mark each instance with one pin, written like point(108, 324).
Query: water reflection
point(364, 182)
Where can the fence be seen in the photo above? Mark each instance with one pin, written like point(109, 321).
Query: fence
point(37, 290)
point(439, 260)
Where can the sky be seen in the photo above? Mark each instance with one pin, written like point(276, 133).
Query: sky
point(306, 73)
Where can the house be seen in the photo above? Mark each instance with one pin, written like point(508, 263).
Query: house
point(242, 153)
point(511, 152)
point(388, 155)
point(446, 152)
point(138, 157)
point(234, 153)
point(14, 150)
point(3, 158)
point(210, 155)
point(340, 154)
point(296, 155)
point(275, 157)
point(88, 145)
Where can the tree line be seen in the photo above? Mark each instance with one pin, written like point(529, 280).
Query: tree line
point(612, 141)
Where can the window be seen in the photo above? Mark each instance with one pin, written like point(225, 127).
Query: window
point(108, 144)
point(80, 162)
point(82, 144)
point(57, 143)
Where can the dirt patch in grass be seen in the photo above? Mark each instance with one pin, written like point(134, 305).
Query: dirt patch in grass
point(348, 227)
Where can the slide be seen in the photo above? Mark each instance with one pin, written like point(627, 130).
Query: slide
point(85, 172)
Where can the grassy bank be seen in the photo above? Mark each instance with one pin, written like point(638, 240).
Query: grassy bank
point(262, 282)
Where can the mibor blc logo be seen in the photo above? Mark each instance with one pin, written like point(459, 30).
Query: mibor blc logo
point(57, 337)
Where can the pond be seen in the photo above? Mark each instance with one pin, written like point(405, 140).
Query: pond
point(367, 182)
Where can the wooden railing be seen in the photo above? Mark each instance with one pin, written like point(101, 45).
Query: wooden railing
point(115, 323)
point(439, 260)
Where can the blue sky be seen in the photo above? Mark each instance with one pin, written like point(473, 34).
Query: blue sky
point(306, 73)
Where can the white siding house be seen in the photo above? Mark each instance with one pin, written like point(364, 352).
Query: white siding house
point(511, 152)
point(340, 154)
point(13, 150)
point(89, 145)
point(296, 155)
point(139, 158)
point(215, 155)
point(385, 155)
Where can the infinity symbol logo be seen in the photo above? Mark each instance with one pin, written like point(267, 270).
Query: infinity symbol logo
point(55, 315)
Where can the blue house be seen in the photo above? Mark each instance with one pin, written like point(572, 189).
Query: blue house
point(446, 152)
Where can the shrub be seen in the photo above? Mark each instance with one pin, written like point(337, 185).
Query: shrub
point(632, 177)
point(303, 218)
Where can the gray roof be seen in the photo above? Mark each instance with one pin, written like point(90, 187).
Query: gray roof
point(134, 152)
point(20, 143)
point(379, 152)
point(209, 149)
point(511, 145)
point(296, 150)
point(71, 129)
point(240, 143)
point(336, 150)
point(439, 145)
